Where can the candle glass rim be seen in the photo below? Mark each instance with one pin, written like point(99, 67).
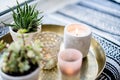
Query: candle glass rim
point(67, 61)
point(86, 26)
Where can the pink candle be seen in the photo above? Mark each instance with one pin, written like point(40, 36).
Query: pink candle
point(70, 61)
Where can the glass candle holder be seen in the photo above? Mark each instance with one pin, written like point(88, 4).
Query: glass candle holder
point(51, 45)
point(70, 61)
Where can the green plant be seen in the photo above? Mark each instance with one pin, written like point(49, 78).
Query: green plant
point(2, 44)
point(25, 18)
point(20, 59)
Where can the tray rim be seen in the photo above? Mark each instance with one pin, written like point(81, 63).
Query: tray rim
point(104, 58)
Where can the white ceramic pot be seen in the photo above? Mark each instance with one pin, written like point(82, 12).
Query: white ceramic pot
point(32, 76)
point(28, 36)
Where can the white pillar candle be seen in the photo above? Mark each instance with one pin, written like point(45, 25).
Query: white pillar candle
point(77, 36)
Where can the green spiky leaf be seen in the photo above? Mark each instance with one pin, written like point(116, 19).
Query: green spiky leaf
point(25, 17)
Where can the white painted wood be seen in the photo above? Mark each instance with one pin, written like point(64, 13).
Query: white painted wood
point(5, 4)
point(47, 6)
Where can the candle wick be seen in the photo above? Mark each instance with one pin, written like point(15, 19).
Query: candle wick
point(77, 32)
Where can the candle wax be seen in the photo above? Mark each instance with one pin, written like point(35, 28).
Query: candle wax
point(77, 30)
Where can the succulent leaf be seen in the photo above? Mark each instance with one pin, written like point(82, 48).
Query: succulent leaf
point(25, 17)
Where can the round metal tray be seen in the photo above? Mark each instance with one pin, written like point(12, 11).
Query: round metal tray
point(92, 65)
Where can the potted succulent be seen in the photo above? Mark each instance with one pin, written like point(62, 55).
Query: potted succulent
point(21, 62)
point(25, 21)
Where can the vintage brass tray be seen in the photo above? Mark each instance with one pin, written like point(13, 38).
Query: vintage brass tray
point(92, 66)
